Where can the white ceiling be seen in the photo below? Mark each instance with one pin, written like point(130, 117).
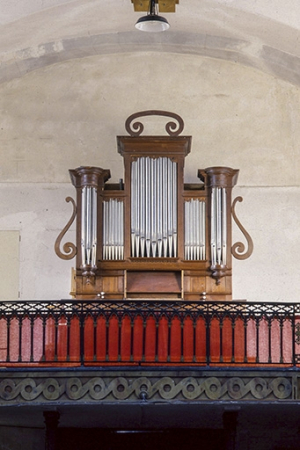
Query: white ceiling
point(264, 34)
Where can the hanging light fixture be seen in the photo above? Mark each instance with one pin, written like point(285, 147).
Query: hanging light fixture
point(152, 22)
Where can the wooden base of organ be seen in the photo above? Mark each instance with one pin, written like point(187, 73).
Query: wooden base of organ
point(155, 284)
point(152, 236)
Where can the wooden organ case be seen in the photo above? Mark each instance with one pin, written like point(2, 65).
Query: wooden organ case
point(152, 236)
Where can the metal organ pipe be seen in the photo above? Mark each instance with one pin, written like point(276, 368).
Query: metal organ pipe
point(134, 201)
point(165, 208)
point(141, 210)
point(224, 227)
point(148, 203)
point(121, 230)
point(194, 240)
point(174, 222)
point(218, 241)
point(113, 229)
point(88, 226)
point(154, 207)
point(159, 206)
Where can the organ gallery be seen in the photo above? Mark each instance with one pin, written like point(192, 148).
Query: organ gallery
point(153, 236)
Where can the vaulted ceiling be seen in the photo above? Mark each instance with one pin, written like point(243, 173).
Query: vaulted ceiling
point(263, 34)
point(72, 71)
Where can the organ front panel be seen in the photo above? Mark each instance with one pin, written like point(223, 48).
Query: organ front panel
point(152, 236)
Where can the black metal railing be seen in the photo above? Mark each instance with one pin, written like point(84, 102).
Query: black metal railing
point(75, 333)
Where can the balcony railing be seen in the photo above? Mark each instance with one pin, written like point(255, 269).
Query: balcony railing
point(115, 333)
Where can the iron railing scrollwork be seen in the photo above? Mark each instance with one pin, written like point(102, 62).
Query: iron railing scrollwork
point(97, 332)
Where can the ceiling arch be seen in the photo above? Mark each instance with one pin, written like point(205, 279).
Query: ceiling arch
point(38, 33)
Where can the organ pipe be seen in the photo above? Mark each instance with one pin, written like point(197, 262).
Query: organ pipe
point(153, 207)
point(113, 229)
point(218, 239)
point(88, 226)
point(195, 234)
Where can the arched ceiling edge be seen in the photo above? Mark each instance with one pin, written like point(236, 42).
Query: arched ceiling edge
point(265, 58)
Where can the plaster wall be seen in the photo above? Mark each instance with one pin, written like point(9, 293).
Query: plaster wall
point(69, 114)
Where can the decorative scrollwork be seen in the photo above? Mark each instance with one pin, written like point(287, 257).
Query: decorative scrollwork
point(297, 333)
point(166, 388)
point(238, 248)
point(172, 128)
point(69, 248)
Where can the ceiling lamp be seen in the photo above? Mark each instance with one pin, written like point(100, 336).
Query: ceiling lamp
point(152, 22)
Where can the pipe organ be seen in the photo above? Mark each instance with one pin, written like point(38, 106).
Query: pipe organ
point(153, 236)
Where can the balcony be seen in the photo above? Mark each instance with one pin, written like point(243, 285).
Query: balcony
point(149, 365)
point(149, 333)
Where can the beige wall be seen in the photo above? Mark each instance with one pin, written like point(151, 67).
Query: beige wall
point(9, 264)
point(68, 114)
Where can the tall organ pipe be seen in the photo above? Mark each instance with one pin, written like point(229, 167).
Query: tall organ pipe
point(88, 226)
point(194, 236)
point(113, 229)
point(154, 207)
point(218, 239)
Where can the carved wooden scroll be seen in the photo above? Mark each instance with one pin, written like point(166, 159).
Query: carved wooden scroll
point(238, 248)
point(69, 248)
point(172, 128)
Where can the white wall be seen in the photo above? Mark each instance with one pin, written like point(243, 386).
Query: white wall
point(68, 114)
